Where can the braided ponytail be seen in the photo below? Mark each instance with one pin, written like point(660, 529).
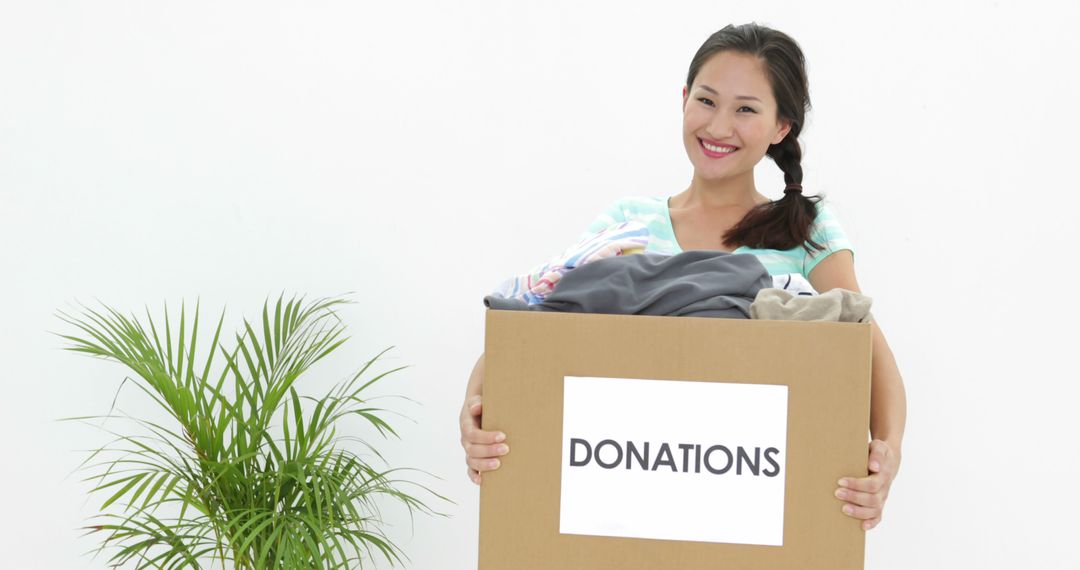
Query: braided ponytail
point(785, 223)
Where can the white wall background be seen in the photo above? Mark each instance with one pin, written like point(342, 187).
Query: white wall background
point(417, 153)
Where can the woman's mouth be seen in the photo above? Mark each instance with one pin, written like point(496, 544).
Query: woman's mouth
point(716, 151)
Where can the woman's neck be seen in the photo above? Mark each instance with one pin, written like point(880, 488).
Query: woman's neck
point(719, 195)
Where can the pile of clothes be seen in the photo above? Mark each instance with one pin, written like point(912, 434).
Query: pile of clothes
point(609, 272)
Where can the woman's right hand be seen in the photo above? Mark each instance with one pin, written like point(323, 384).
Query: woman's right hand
point(482, 448)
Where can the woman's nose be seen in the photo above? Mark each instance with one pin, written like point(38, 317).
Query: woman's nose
point(721, 126)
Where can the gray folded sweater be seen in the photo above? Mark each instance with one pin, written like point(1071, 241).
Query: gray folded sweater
point(697, 283)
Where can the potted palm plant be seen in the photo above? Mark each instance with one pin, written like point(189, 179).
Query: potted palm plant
point(241, 468)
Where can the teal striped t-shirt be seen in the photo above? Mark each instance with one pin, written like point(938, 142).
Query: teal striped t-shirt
point(653, 212)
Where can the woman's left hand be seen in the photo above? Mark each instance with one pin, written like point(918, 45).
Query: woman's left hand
point(864, 497)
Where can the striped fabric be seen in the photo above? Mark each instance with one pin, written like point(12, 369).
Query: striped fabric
point(616, 238)
point(653, 212)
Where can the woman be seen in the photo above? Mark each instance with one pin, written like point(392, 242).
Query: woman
point(745, 98)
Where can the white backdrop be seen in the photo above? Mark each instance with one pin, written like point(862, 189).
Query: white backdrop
point(417, 153)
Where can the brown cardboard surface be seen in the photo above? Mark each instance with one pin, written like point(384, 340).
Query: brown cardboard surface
point(826, 367)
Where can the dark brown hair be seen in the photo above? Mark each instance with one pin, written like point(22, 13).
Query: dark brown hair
point(784, 223)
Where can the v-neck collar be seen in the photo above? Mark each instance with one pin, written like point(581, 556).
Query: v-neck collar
point(675, 238)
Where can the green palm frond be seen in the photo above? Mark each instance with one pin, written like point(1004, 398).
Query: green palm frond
point(250, 471)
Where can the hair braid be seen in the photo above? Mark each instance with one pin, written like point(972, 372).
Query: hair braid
point(785, 223)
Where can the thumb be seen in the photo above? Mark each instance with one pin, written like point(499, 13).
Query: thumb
point(878, 450)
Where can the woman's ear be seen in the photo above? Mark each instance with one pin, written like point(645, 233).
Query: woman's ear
point(684, 93)
point(785, 128)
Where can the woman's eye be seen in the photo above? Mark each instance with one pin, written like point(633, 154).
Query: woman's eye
point(709, 102)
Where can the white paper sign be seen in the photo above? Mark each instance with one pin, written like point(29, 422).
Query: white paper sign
point(674, 460)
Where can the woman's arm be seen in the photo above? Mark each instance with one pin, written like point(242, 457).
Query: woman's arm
point(888, 400)
point(888, 403)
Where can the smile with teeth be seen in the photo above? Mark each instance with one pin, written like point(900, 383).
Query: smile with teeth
point(720, 149)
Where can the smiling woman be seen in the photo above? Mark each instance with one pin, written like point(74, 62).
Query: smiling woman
point(723, 120)
point(746, 97)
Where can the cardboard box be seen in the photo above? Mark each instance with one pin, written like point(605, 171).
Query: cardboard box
point(690, 443)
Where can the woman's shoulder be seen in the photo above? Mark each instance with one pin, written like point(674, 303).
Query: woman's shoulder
point(647, 204)
point(649, 210)
point(827, 221)
point(632, 208)
point(827, 232)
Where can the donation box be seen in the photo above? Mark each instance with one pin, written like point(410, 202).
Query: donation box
point(687, 443)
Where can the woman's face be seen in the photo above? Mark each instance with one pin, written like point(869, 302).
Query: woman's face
point(731, 106)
